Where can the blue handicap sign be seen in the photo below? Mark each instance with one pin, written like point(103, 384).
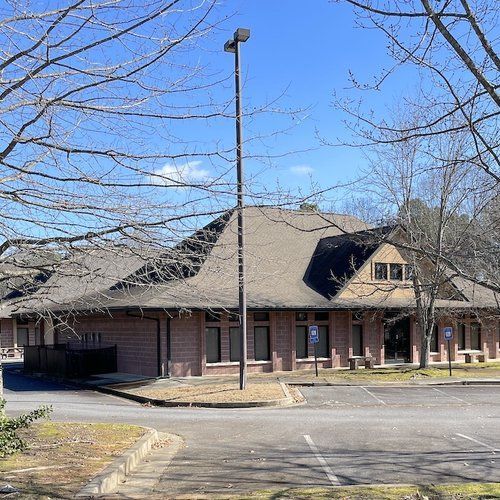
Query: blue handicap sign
point(313, 334)
point(448, 332)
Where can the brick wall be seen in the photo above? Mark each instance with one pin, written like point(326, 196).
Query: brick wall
point(6, 332)
point(135, 339)
point(283, 342)
point(372, 336)
point(341, 335)
point(186, 345)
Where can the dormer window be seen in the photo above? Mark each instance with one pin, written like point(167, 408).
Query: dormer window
point(380, 271)
point(408, 272)
point(392, 271)
point(396, 272)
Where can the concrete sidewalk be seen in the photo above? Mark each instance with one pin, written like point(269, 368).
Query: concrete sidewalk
point(125, 380)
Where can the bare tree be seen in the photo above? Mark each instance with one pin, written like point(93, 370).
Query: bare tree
point(440, 205)
point(453, 47)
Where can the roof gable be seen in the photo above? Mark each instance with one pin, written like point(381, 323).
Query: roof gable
point(338, 258)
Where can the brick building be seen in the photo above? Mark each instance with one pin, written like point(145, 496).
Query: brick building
point(175, 314)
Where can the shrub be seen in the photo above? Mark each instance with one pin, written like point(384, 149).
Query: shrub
point(10, 442)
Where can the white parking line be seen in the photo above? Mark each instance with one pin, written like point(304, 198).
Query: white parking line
point(454, 397)
point(326, 468)
point(373, 396)
point(478, 442)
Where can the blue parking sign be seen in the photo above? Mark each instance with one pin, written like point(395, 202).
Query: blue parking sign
point(448, 332)
point(313, 334)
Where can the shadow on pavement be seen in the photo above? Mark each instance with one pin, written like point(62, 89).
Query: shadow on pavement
point(14, 380)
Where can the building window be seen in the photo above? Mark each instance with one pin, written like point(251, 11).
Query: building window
point(23, 335)
point(91, 337)
point(380, 271)
point(261, 316)
point(475, 336)
point(301, 341)
point(212, 317)
point(321, 316)
point(261, 343)
point(434, 339)
point(323, 346)
point(357, 340)
point(234, 343)
point(212, 344)
point(38, 335)
point(408, 272)
point(396, 271)
point(461, 336)
point(300, 316)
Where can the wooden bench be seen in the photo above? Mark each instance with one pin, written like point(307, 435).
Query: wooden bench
point(474, 356)
point(354, 361)
point(11, 352)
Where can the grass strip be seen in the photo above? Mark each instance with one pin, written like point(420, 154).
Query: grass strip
point(63, 457)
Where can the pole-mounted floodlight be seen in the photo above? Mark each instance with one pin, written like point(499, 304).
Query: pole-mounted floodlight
point(240, 35)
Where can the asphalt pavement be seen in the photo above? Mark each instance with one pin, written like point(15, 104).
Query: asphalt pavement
point(342, 436)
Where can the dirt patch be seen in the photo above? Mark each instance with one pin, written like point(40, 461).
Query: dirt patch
point(215, 393)
point(63, 457)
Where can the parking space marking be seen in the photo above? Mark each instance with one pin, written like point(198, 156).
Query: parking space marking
point(495, 450)
point(454, 397)
point(326, 468)
point(373, 396)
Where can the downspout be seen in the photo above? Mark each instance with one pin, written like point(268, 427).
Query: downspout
point(169, 348)
point(158, 341)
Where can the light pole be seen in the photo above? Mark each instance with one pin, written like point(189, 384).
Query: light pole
point(240, 35)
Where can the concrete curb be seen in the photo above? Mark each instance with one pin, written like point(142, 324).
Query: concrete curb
point(367, 383)
point(114, 474)
point(286, 401)
point(110, 389)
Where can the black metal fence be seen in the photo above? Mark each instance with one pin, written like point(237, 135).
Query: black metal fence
point(70, 360)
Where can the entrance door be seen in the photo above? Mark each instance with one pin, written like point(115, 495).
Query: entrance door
point(397, 341)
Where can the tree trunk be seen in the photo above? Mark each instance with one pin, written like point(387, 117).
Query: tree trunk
point(2, 407)
point(425, 344)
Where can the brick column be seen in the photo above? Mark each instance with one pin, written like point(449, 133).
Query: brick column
point(203, 352)
point(272, 340)
point(293, 340)
point(333, 348)
point(381, 330)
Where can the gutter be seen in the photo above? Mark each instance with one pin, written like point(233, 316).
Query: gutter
point(159, 364)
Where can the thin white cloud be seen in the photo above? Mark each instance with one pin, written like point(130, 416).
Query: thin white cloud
point(302, 170)
point(180, 175)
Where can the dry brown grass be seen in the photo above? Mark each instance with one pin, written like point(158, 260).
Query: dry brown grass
point(216, 393)
point(63, 457)
point(390, 374)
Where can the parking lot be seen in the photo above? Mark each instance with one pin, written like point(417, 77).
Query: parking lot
point(356, 396)
point(341, 436)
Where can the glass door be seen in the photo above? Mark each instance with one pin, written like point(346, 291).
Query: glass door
point(397, 341)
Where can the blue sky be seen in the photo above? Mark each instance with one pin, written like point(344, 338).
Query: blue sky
point(306, 50)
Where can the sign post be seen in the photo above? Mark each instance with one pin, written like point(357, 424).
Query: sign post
point(314, 339)
point(448, 335)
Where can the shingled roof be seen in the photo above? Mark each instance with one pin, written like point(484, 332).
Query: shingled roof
point(294, 260)
point(279, 246)
point(336, 259)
